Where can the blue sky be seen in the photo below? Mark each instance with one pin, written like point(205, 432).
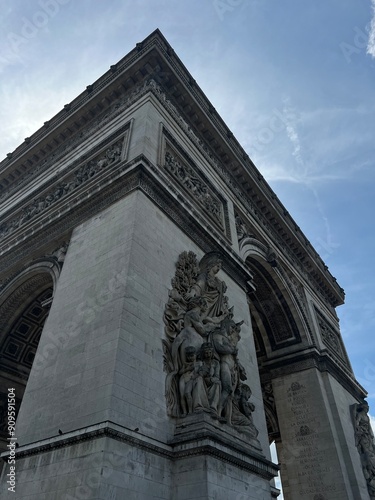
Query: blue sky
point(294, 81)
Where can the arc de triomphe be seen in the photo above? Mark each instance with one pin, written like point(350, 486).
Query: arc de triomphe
point(162, 317)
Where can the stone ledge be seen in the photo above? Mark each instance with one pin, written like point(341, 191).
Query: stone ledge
point(201, 435)
point(210, 445)
point(312, 358)
point(202, 425)
point(103, 429)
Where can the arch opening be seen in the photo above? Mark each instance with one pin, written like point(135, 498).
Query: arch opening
point(23, 313)
point(278, 331)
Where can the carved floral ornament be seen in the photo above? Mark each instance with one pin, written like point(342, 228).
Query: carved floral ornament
point(201, 360)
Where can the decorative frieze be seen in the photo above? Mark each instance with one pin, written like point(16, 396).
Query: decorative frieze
point(74, 181)
point(332, 340)
point(193, 183)
point(111, 187)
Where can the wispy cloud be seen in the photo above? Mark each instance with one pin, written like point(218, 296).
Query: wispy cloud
point(291, 130)
point(371, 35)
point(25, 109)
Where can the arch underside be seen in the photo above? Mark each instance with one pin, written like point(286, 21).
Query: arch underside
point(22, 317)
point(274, 327)
point(274, 324)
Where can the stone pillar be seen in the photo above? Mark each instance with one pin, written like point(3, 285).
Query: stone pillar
point(317, 453)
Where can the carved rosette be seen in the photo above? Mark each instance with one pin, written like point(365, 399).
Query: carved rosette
point(364, 440)
point(201, 361)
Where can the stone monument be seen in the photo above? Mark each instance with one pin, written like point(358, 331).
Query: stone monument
point(162, 317)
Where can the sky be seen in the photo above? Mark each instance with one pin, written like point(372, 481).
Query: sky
point(294, 81)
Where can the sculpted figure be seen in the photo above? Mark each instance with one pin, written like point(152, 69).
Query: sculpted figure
point(364, 440)
point(369, 471)
point(209, 286)
point(210, 372)
point(243, 409)
point(225, 340)
point(192, 393)
point(363, 431)
point(193, 334)
point(197, 325)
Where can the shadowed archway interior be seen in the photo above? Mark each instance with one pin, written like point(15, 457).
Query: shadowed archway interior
point(19, 343)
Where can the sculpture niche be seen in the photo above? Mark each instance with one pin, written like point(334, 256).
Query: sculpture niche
point(204, 373)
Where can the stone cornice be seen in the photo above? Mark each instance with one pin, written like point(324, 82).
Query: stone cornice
point(209, 446)
point(95, 431)
point(155, 57)
point(311, 358)
point(87, 96)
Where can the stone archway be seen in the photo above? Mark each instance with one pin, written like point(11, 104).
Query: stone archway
point(280, 328)
point(24, 307)
point(307, 387)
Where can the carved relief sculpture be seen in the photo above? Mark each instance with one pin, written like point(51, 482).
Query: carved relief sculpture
point(196, 186)
point(332, 339)
point(80, 176)
point(204, 373)
point(364, 440)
